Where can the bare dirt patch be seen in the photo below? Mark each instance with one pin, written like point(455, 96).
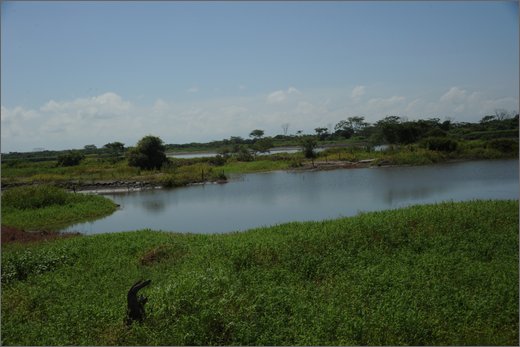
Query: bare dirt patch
point(10, 234)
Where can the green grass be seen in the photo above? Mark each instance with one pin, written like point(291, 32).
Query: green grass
point(261, 165)
point(50, 208)
point(185, 171)
point(443, 274)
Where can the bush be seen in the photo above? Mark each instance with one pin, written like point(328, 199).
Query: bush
point(440, 144)
point(33, 197)
point(503, 145)
point(21, 265)
point(71, 158)
point(218, 160)
point(148, 154)
point(244, 154)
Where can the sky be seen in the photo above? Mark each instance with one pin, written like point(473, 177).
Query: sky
point(80, 73)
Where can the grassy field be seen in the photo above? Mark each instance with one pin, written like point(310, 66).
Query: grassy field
point(443, 274)
point(50, 208)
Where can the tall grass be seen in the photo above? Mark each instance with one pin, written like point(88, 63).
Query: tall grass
point(50, 208)
point(443, 274)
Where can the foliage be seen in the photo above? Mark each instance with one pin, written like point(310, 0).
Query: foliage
point(218, 160)
point(256, 134)
point(504, 145)
point(440, 144)
point(444, 274)
point(50, 208)
point(148, 154)
point(32, 197)
point(71, 158)
point(18, 266)
point(308, 145)
point(115, 147)
point(244, 154)
point(263, 145)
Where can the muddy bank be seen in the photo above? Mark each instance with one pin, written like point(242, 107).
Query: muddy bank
point(10, 235)
point(340, 164)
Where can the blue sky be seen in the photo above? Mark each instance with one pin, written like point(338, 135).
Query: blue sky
point(77, 73)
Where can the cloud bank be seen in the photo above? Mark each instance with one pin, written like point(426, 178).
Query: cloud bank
point(110, 117)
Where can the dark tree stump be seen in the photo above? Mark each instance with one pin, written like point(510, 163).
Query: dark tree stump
point(135, 311)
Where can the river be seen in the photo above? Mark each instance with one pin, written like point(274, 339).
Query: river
point(265, 199)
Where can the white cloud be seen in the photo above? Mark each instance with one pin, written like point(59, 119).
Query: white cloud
point(454, 95)
point(160, 106)
point(293, 90)
point(281, 95)
point(386, 102)
point(109, 117)
point(192, 90)
point(276, 97)
point(358, 92)
point(102, 106)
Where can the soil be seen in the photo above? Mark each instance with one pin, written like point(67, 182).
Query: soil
point(10, 234)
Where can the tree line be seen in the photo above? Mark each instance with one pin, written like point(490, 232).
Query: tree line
point(434, 134)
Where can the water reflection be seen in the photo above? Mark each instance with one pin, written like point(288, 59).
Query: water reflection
point(271, 198)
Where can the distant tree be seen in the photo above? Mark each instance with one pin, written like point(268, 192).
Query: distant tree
point(263, 145)
point(357, 123)
point(243, 154)
point(389, 128)
point(502, 114)
point(70, 158)
point(115, 147)
point(148, 154)
point(308, 145)
point(322, 133)
point(344, 129)
point(285, 128)
point(256, 134)
point(90, 148)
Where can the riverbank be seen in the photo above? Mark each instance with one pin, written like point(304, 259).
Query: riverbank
point(442, 274)
point(98, 174)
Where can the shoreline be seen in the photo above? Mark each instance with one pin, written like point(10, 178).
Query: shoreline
point(122, 186)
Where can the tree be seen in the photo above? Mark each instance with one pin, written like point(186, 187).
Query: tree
point(148, 154)
point(343, 128)
point(90, 148)
point(115, 147)
point(308, 146)
point(263, 145)
point(389, 128)
point(70, 158)
point(357, 123)
point(322, 133)
point(256, 134)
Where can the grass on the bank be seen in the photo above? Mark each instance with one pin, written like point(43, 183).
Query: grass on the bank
point(184, 171)
point(50, 208)
point(444, 274)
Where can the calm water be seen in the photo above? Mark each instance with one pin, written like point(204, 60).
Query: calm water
point(272, 198)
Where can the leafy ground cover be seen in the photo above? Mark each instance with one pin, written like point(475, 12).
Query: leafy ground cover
point(442, 274)
point(44, 207)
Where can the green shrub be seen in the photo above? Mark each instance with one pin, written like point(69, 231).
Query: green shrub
point(19, 266)
point(71, 158)
point(504, 145)
point(440, 144)
point(218, 160)
point(244, 154)
point(33, 197)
